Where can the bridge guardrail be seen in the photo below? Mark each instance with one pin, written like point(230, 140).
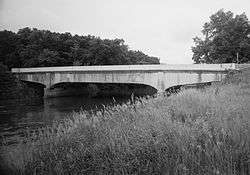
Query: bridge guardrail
point(155, 67)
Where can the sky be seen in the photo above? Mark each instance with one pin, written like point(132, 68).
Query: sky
point(161, 28)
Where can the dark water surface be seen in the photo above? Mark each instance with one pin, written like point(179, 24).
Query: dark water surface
point(18, 116)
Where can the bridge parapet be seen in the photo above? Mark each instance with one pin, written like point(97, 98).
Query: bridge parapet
point(155, 67)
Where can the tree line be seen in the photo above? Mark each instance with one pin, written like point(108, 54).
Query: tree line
point(38, 48)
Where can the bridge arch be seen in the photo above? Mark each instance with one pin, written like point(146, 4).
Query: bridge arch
point(37, 89)
point(159, 77)
point(34, 84)
point(99, 89)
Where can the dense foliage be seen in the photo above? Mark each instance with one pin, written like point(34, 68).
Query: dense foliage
point(226, 39)
point(37, 48)
point(12, 88)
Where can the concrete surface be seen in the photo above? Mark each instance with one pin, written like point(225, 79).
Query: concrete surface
point(160, 77)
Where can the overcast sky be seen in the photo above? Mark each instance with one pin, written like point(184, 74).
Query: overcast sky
point(162, 28)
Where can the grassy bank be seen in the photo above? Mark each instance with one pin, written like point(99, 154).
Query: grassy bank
point(193, 132)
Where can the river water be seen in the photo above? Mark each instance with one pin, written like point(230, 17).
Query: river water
point(18, 116)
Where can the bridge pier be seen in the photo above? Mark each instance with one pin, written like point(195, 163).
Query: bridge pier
point(46, 92)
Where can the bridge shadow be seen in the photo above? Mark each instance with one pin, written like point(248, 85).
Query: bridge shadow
point(37, 88)
point(99, 89)
point(176, 89)
point(66, 89)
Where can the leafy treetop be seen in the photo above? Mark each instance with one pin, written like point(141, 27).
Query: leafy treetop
point(38, 48)
point(226, 39)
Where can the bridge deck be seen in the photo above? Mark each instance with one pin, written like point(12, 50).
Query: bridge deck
point(156, 67)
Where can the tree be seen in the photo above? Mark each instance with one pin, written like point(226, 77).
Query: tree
point(45, 59)
point(8, 47)
point(226, 39)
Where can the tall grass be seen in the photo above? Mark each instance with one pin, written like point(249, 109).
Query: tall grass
point(193, 132)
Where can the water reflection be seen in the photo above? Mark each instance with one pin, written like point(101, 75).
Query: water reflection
point(18, 116)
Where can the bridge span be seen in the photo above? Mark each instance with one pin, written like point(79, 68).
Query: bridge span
point(161, 77)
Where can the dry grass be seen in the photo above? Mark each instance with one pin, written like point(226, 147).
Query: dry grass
point(193, 132)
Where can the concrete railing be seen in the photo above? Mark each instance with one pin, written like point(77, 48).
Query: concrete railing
point(155, 67)
point(242, 66)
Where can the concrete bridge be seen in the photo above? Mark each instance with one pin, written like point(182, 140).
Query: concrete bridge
point(160, 77)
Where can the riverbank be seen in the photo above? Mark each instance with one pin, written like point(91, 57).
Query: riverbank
point(193, 132)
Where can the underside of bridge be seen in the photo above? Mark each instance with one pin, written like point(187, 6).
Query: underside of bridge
point(37, 88)
point(91, 89)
